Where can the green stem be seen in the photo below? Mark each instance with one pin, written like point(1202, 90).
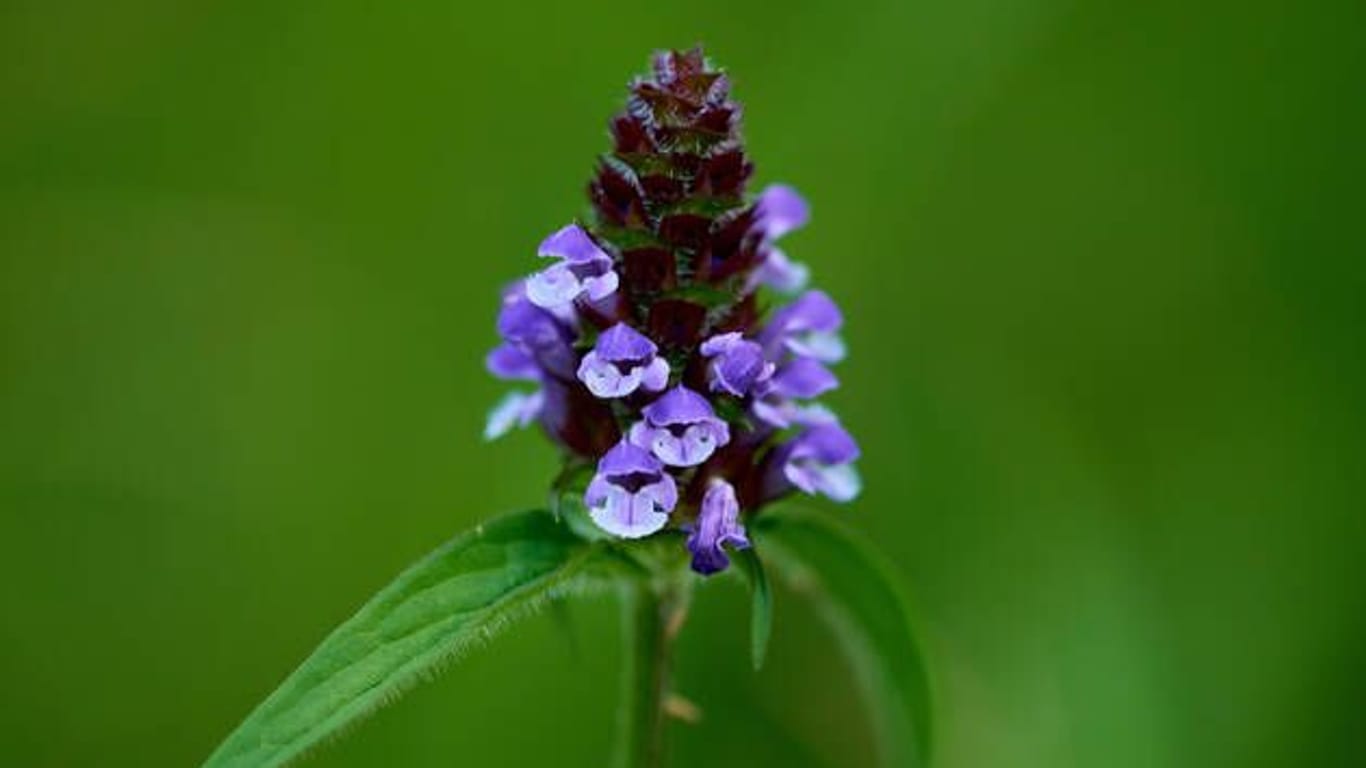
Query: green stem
point(653, 614)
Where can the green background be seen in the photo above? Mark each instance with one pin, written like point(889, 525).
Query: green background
point(1102, 272)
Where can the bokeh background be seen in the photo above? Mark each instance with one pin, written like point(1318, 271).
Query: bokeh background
point(1102, 265)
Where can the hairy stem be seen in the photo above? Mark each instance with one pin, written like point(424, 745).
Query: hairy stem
point(652, 617)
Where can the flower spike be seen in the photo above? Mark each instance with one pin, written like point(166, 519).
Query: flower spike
point(646, 338)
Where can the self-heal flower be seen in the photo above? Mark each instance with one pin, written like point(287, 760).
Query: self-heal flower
point(718, 525)
point(680, 428)
point(536, 346)
point(820, 460)
point(512, 363)
point(801, 378)
point(622, 361)
point(808, 327)
point(583, 268)
point(531, 333)
point(735, 365)
point(631, 495)
point(654, 359)
point(780, 210)
point(780, 273)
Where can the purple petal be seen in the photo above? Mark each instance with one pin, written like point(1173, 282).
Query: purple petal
point(737, 365)
point(839, 482)
point(780, 210)
point(812, 311)
point(625, 459)
point(602, 286)
point(515, 409)
point(572, 244)
point(625, 514)
point(656, 375)
point(827, 443)
point(818, 345)
point(622, 343)
point(784, 413)
point(819, 460)
point(812, 414)
point(695, 445)
point(553, 286)
point(605, 380)
point(721, 343)
point(803, 378)
point(662, 493)
point(776, 413)
point(780, 273)
point(807, 327)
point(718, 525)
point(539, 334)
point(521, 322)
point(679, 405)
point(509, 362)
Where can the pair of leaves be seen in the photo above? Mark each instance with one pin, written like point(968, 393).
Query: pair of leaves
point(467, 590)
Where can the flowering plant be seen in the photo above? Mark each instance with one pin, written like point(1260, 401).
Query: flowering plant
point(683, 398)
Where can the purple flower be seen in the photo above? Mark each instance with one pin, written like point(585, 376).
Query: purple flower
point(778, 211)
point(536, 345)
point(583, 268)
point(786, 413)
point(801, 378)
point(509, 362)
point(734, 364)
point(531, 335)
point(819, 460)
point(680, 428)
point(631, 496)
point(651, 355)
point(622, 361)
point(779, 272)
point(718, 525)
point(808, 327)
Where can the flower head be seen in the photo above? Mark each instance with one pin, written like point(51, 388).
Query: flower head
point(645, 337)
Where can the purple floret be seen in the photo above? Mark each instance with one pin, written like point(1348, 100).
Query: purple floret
point(631, 496)
point(622, 361)
point(680, 428)
point(718, 525)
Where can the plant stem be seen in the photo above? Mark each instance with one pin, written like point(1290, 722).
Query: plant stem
point(652, 617)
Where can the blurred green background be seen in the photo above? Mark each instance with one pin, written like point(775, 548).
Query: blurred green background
point(1102, 271)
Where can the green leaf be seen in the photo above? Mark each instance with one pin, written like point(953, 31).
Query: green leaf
point(854, 591)
point(456, 597)
point(761, 607)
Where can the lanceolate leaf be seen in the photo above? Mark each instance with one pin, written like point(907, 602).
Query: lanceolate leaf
point(457, 596)
point(853, 590)
point(761, 610)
